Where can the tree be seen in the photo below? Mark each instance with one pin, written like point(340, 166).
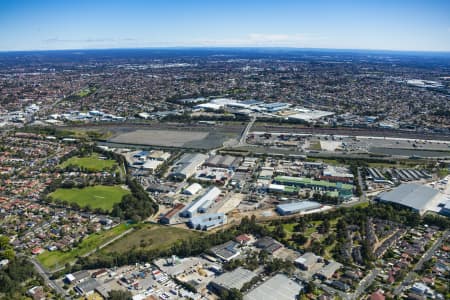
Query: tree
point(279, 231)
point(120, 295)
point(299, 239)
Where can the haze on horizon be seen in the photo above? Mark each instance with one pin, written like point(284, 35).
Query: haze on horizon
point(379, 25)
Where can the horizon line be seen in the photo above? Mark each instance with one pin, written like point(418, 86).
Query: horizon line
point(230, 47)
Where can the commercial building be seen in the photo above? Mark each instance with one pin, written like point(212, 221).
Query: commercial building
point(202, 203)
point(279, 287)
point(186, 166)
point(297, 207)
point(232, 280)
point(415, 196)
point(208, 221)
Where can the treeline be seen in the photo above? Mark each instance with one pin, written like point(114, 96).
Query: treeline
point(136, 206)
point(197, 245)
point(16, 277)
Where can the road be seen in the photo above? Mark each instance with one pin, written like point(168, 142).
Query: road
point(409, 278)
point(246, 131)
point(43, 273)
point(364, 283)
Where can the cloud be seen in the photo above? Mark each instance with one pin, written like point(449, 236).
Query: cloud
point(88, 40)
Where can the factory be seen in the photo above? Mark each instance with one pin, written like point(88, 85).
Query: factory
point(207, 221)
point(171, 216)
point(417, 197)
point(232, 280)
point(279, 287)
point(345, 190)
point(186, 166)
point(224, 161)
point(202, 203)
point(297, 207)
point(192, 189)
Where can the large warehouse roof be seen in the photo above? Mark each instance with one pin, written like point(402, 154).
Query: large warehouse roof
point(279, 287)
point(234, 279)
point(412, 195)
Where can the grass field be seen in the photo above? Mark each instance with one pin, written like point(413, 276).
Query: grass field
point(55, 259)
point(91, 163)
point(150, 237)
point(99, 196)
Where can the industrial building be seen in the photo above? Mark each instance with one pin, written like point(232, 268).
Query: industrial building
point(192, 189)
point(226, 251)
point(208, 221)
point(446, 209)
point(307, 261)
point(417, 197)
point(345, 190)
point(171, 216)
point(202, 203)
point(87, 287)
point(186, 166)
point(232, 280)
point(224, 161)
point(279, 287)
point(328, 270)
point(297, 207)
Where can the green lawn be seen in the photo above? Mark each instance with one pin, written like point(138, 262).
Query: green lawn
point(91, 163)
point(150, 237)
point(55, 259)
point(99, 196)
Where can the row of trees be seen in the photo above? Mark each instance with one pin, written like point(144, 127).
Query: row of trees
point(136, 207)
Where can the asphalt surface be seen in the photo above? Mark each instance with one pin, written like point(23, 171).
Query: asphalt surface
point(43, 273)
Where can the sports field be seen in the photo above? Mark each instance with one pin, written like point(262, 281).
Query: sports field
point(91, 163)
point(55, 259)
point(99, 196)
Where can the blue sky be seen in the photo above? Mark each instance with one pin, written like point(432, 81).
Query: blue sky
point(358, 24)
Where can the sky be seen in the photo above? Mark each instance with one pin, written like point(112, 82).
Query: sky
point(410, 25)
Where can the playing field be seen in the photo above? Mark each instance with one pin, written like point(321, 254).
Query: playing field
point(55, 259)
point(91, 163)
point(150, 237)
point(99, 196)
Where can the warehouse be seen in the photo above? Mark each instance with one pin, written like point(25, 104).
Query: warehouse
point(186, 166)
point(171, 216)
point(297, 207)
point(279, 287)
point(224, 161)
point(208, 221)
point(192, 189)
point(307, 261)
point(202, 203)
point(232, 280)
point(419, 198)
point(328, 270)
point(345, 190)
